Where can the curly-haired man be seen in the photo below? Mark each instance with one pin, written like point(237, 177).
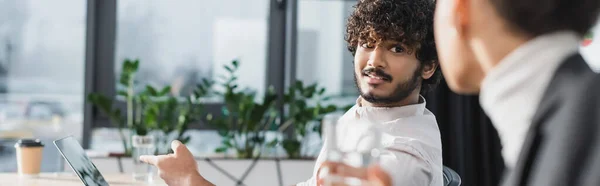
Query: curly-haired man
point(395, 60)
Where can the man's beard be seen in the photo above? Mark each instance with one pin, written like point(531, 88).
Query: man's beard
point(401, 92)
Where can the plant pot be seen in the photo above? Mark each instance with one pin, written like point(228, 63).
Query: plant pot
point(142, 145)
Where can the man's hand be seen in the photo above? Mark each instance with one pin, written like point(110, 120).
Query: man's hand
point(372, 176)
point(376, 176)
point(178, 169)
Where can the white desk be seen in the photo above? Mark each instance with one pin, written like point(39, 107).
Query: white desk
point(67, 179)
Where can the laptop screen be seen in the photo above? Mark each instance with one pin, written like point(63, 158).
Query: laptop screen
point(72, 151)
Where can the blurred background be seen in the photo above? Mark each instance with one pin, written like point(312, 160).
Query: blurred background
point(54, 53)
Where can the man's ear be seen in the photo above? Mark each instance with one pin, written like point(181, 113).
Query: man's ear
point(429, 69)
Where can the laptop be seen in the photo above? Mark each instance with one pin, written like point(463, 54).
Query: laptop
point(74, 154)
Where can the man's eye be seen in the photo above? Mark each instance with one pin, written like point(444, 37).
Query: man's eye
point(366, 45)
point(397, 49)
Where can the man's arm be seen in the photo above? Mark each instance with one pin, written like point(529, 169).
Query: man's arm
point(406, 168)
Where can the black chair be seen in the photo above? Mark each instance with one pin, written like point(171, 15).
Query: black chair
point(451, 178)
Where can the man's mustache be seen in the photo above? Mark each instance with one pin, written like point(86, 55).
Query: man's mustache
point(377, 72)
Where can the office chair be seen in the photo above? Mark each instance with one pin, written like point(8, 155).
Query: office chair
point(451, 178)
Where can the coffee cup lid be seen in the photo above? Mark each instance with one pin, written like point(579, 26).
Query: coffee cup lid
point(29, 143)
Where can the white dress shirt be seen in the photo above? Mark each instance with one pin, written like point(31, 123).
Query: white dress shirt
point(511, 91)
point(411, 139)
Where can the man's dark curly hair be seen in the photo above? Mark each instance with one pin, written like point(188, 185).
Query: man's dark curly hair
point(409, 22)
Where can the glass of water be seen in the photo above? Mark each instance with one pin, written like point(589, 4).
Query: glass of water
point(363, 152)
point(366, 152)
point(142, 145)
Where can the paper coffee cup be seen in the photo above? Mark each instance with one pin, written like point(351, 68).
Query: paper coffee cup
point(29, 156)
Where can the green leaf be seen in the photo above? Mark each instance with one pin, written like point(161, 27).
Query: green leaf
point(165, 91)
point(235, 63)
point(300, 104)
point(228, 68)
point(291, 91)
point(347, 107)
point(330, 108)
point(200, 91)
point(222, 77)
point(309, 91)
point(291, 146)
point(123, 80)
point(222, 132)
point(101, 102)
point(136, 64)
point(302, 132)
point(206, 82)
point(227, 143)
point(116, 118)
point(151, 90)
point(150, 119)
point(185, 140)
point(221, 149)
point(122, 93)
point(321, 91)
point(299, 85)
point(272, 143)
point(287, 98)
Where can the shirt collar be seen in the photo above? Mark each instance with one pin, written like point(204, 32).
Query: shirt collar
point(539, 58)
point(390, 113)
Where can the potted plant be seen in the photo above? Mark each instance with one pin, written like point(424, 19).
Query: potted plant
point(105, 104)
point(151, 110)
point(167, 116)
point(303, 108)
point(243, 122)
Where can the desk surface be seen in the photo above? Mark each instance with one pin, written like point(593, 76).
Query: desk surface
point(66, 179)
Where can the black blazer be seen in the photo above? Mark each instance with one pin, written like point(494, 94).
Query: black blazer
point(562, 147)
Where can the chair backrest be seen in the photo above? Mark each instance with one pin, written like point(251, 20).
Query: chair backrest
point(451, 178)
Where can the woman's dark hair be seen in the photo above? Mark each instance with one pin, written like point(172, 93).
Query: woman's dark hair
point(409, 22)
point(537, 17)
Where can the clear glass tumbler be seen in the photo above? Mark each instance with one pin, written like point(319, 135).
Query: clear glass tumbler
point(143, 145)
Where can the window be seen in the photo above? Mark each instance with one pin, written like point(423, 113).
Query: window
point(180, 43)
point(322, 56)
point(321, 49)
point(42, 48)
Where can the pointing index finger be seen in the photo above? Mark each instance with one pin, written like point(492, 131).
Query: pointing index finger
point(152, 160)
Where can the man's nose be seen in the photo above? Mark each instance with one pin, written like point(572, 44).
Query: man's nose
point(377, 58)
